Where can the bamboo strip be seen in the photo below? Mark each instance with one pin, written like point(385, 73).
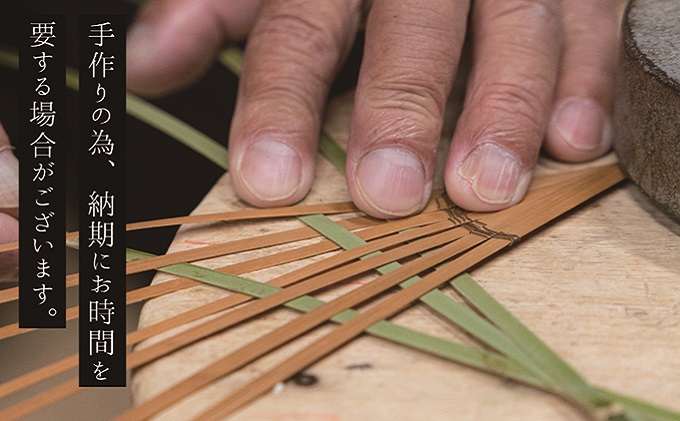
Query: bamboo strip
point(347, 331)
point(565, 196)
point(246, 214)
point(12, 294)
point(41, 400)
point(310, 285)
point(305, 322)
point(249, 214)
point(262, 241)
point(222, 304)
point(246, 266)
point(609, 180)
point(259, 263)
point(569, 381)
point(436, 346)
point(296, 234)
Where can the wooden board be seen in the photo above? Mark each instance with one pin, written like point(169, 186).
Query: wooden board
point(601, 286)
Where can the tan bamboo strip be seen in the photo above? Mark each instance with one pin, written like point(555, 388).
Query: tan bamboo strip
point(175, 342)
point(41, 400)
point(281, 281)
point(15, 245)
point(222, 249)
point(12, 294)
point(148, 408)
point(347, 331)
point(68, 363)
point(71, 386)
point(246, 266)
point(301, 324)
point(38, 375)
point(308, 286)
point(559, 201)
point(13, 329)
point(236, 246)
point(157, 290)
point(602, 181)
point(541, 209)
point(250, 214)
point(323, 208)
point(296, 234)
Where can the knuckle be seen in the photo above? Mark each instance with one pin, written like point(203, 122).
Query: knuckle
point(420, 98)
point(516, 102)
point(523, 11)
point(300, 34)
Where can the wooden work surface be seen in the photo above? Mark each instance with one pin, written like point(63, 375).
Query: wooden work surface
point(601, 286)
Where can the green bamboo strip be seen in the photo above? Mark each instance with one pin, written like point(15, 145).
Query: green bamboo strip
point(149, 114)
point(480, 359)
point(332, 151)
point(45, 372)
point(333, 144)
point(559, 371)
point(299, 326)
point(9, 57)
point(650, 411)
point(386, 330)
point(555, 204)
point(634, 409)
point(435, 299)
point(312, 353)
point(181, 131)
point(72, 79)
point(302, 281)
point(480, 328)
point(232, 59)
point(459, 314)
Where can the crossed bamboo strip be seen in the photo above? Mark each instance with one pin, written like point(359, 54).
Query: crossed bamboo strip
point(231, 216)
point(521, 220)
point(477, 255)
point(534, 211)
point(152, 291)
point(210, 251)
point(368, 233)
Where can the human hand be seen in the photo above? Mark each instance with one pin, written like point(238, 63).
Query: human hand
point(9, 203)
point(543, 74)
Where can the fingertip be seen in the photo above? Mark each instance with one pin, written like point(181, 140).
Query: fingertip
point(271, 173)
point(489, 178)
point(578, 130)
point(389, 182)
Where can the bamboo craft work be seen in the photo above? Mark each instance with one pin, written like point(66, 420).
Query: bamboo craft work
point(459, 239)
point(437, 245)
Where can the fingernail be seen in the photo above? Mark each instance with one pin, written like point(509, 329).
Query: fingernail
point(140, 42)
point(583, 124)
point(271, 170)
point(9, 179)
point(493, 173)
point(392, 180)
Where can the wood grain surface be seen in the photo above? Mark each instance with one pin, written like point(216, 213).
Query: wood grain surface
point(601, 286)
